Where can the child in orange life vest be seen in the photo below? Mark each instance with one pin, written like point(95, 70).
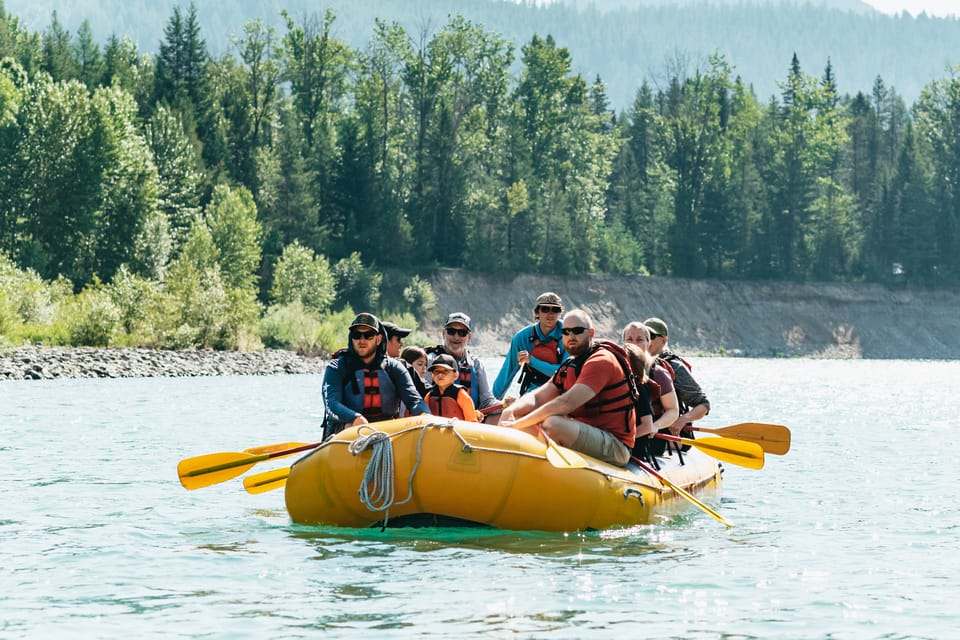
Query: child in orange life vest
point(447, 399)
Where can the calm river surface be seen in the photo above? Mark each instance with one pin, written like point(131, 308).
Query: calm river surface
point(854, 534)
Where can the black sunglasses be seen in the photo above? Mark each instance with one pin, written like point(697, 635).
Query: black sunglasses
point(457, 332)
point(549, 309)
point(654, 336)
point(363, 335)
point(574, 330)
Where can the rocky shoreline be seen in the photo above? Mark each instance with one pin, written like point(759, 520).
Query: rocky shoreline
point(747, 319)
point(47, 363)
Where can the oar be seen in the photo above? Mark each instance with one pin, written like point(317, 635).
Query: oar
point(270, 448)
point(773, 438)
point(739, 452)
point(212, 468)
point(513, 389)
point(680, 491)
point(577, 463)
point(266, 481)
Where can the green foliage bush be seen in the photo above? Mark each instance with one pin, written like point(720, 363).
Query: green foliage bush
point(293, 326)
point(300, 276)
point(90, 318)
point(421, 299)
point(358, 285)
point(26, 293)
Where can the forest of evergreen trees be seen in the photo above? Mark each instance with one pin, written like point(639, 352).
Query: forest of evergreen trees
point(295, 168)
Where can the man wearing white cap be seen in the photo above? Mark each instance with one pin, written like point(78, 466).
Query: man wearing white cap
point(457, 331)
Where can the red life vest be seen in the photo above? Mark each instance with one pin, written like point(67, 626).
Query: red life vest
point(445, 404)
point(547, 350)
point(614, 405)
point(372, 403)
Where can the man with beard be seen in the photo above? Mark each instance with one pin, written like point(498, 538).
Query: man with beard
point(361, 384)
point(587, 405)
point(472, 375)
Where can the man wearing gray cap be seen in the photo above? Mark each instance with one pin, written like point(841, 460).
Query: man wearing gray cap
point(693, 402)
point(457, 331)
point(361, 384)
point(538, 348)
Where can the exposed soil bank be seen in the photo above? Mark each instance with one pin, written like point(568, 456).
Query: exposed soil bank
point(730, 318)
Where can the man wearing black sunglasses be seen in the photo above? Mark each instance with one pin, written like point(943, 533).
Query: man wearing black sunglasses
point(587, 406)
point(537, 348)
point(457, 331)
point(361, 384)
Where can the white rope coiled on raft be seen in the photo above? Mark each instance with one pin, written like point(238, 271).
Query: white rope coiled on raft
point(377, 488)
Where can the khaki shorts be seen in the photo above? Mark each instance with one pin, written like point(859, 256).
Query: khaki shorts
point(601, 444)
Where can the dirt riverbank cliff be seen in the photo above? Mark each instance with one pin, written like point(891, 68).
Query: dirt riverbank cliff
point(705, 318)
point(755, 319)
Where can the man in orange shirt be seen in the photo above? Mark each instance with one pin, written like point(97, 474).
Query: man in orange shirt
point(587, 405)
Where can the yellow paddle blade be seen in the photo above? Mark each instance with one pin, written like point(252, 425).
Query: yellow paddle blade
point(266, 481)
point(773, 438)
point(205, 470)
point(738, 452)
point(564, 458)
point(561, 458)
point(273, 448)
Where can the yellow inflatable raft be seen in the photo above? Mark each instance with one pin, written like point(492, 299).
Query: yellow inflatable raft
point(426, 470)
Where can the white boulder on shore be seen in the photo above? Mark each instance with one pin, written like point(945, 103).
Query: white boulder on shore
point(43, 363)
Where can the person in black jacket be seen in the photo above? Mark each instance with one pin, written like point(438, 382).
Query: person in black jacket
point(361, 384)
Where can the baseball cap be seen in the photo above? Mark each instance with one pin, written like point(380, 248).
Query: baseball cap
point(443, 361)
point(394, 330)
point(366, 320)
point(657, 326)
point(548, 297)
point(460, 317)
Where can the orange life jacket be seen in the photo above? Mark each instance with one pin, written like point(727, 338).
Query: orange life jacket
point(445, 404)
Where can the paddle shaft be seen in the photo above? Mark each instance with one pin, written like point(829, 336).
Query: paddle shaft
point(681, 491)
point(266, 481)
point(738, 452)
point(249, 460)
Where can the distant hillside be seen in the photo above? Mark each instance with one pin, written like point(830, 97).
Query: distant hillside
point(756, 319)
point(622, 41)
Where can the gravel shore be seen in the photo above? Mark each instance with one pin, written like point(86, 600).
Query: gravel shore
point(44, 363)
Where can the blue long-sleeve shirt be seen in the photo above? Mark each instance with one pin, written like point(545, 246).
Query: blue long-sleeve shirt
point(396, 386)
point(523, 341)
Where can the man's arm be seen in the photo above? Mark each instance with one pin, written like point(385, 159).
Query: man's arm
point(509, 368)
point(484, 396)
point(690, 393)
point(561, 405)
point(332, 391)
